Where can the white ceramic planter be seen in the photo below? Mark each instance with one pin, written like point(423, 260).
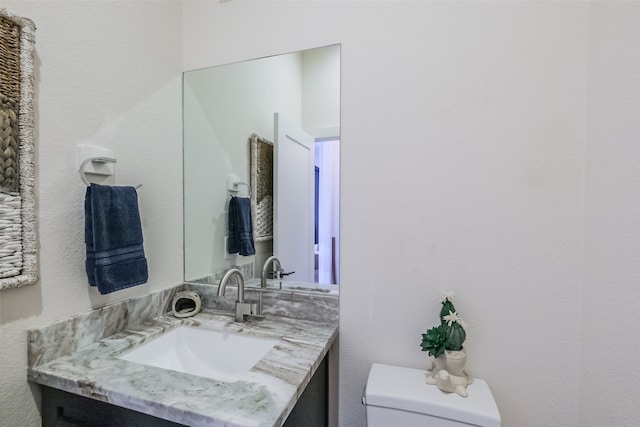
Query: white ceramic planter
point(448, 373)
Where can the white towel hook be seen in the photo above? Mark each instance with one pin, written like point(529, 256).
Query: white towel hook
point(101, 160)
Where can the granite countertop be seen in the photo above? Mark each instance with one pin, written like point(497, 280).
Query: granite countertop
point(264, 396)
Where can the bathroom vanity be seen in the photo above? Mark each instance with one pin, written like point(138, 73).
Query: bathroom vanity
point(85, 382)
point(61, 408)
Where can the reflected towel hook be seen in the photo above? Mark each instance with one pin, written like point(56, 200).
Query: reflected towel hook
point(103, 160)
point(234, 181)
point(237, 183)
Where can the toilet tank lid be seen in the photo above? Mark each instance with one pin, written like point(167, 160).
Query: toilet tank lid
point(405, 389)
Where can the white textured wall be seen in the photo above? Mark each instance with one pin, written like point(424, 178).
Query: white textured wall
point(463, 161)
point(321, 91)
point(108, 73)
point(609, 386)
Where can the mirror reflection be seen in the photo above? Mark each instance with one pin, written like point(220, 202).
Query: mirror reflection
point(267, 130)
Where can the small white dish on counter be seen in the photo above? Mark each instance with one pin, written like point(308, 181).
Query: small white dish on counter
point(202, 352)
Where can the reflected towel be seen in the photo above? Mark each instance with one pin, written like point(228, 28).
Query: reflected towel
point(113, 236)
point(240, 239)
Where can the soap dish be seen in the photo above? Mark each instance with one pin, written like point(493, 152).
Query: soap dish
point(186, 304)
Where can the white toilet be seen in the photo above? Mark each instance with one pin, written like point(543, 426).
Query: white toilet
point(399, 397)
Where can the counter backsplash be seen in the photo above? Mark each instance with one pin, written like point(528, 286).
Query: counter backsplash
point(294, 304)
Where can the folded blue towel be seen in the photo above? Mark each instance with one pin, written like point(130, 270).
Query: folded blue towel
point(240, 238)
point(113, 235)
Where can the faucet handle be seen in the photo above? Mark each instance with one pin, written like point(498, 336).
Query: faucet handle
point(275, 274)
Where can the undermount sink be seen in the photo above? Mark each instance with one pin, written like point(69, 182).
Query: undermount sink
point(202, 352)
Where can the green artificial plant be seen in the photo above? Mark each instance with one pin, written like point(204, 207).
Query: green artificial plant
point(449, 334)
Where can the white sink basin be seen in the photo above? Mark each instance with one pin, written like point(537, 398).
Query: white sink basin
point(202, 352)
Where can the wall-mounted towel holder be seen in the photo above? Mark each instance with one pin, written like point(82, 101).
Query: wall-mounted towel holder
point(94, 160)
point(98, 160)
point(234, 182)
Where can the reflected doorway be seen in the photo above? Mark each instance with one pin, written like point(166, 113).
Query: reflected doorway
point(327, 211)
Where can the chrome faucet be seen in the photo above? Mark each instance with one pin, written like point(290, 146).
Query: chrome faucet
point(243, 308)
point(263, 279)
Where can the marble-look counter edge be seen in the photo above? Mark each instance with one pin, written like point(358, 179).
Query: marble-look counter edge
point(263, 397)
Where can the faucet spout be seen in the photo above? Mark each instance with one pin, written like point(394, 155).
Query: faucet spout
point(243, 308)
point(225, 279)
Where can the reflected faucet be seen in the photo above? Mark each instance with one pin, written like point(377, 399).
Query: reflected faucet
point(243, 308)
point(263, 279)
point(271, 259)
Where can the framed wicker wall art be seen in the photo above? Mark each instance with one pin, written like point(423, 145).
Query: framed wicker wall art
point(262, 187)
point(18, 234)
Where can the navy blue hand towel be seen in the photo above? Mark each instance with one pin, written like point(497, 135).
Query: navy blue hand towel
point(113, 235)
point(240, 240)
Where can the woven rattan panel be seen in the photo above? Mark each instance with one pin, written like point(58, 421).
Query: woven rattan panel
point(10, 54)
point(9, 107)
point(9, 149)
point(262, 183)
point(264, 186)
point(18, 234)
point(11, 250)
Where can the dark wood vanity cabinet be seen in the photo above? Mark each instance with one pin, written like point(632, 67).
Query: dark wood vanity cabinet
point(63, 409)
point(312, 409)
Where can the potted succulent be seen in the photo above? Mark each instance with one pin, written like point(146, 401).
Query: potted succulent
point(445, 343)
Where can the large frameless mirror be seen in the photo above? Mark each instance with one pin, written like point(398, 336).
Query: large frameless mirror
point(269, 130)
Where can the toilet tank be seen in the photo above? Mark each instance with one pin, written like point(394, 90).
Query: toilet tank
point(399, 397)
